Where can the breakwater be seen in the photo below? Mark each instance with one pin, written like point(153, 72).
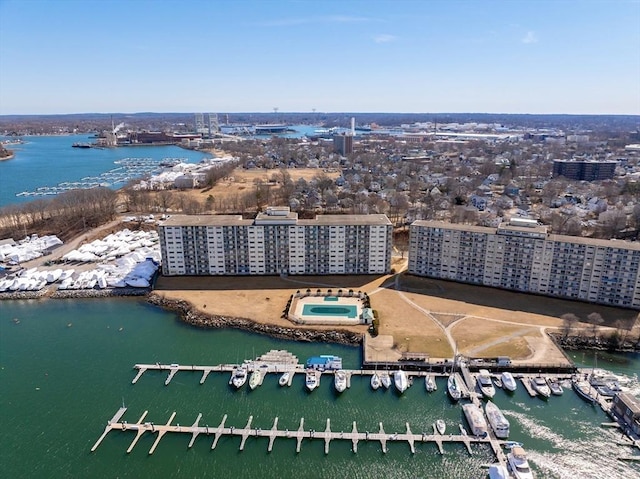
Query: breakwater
point(190, 315)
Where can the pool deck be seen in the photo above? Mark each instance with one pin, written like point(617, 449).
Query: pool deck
point(299, 311)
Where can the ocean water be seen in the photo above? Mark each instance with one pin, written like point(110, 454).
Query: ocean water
point(47, 161)
point(66, 367)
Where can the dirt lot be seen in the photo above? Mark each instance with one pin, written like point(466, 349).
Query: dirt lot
point(242, 181)
point(434, 318)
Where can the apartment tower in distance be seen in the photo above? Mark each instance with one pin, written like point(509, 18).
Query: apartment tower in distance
point(584, 170)
point(522, 256)
point(276, 242)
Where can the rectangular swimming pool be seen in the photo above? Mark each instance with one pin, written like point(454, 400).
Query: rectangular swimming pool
point(346, 310)
point(331, 298)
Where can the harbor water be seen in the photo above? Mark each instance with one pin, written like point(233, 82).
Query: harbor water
point(66, 368)
point(45, 162)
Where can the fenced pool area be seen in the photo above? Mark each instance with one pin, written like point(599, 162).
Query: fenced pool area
point(327, 308)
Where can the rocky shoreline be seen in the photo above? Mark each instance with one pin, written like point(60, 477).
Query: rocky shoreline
point(74, 293)
point(196, 318)
point(572, 343)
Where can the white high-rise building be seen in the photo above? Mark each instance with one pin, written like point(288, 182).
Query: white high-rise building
point(522, 256)
point(275, 242)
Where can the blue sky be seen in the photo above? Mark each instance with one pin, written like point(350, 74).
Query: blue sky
point(518, 56)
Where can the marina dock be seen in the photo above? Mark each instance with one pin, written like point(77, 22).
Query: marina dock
point(327, 435)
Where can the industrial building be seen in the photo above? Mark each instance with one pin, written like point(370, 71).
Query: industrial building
point(276, 242)
point(520, 255)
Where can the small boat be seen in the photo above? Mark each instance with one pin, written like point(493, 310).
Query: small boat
point(254, 379)
point(340, 380)
point(284, 379)
point(476, 420)
point(430, 383)
point(400, 380)
point(498, 471)
point(311, 380)
point(540, 386)
point(453, 389)
point(556, 388)
point(517, 460)
point(385, 380)
point(375, 381)
point(498, 422)
point(497, 381)
point(508, 381)
point(463, 431)
point(583, 388)
point(239, 377)
point(441, 427)
point(485, 384)
point(512, 444)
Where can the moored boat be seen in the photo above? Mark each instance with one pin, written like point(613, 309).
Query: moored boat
point(555, 387)
point(284, 379)
point(498, 471)
point(498, 422)
point(453, 388)
point(375, 381)
point(517, 460)
point(476, 420)
point(441, 427)
point(400, 380)
point(508, 381)
point(485, 384)
point(584, 390)
point(254, 379)
point(311, 380)
point(430, 383)
point(540, 386)
point(340, 380)
point(239, 377)
point(385, 380)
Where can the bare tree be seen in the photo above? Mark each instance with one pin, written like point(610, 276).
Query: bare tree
point(568, 322)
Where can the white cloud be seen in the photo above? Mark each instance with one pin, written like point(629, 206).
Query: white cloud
point(384, 38)
point(530, 37)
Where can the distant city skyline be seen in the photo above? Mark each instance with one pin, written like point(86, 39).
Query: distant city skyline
point(538, 57)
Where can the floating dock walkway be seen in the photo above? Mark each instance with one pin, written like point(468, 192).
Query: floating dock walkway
point(327, 435)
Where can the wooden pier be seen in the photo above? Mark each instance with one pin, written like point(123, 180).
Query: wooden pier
point(326, 435)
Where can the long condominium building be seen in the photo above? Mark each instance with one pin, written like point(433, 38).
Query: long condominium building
point(522, 256)
point(275, 242)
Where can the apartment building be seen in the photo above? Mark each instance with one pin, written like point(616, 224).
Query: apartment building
point(522, 256)
point(584, 170)
point(275, 242)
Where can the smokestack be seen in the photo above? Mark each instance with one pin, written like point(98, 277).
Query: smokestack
point(353, 126)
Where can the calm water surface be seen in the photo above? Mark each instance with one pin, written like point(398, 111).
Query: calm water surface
point(66, 367)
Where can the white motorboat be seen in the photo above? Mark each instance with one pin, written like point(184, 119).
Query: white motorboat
point(508, 381)
point(555, 387)
point(441, 427)
point(375, 381)
point(453, 388)
point(498, 422)
point(340, 380)
point(239, 377)
point(284, 379)
point(385, 380)
point(498, 471)
point(476, 420)
point(540, 386)
point(254, 379)
point(517, 460)
point(485, 384)
point(430, 383)
point(400, 380)
point(311, 380)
